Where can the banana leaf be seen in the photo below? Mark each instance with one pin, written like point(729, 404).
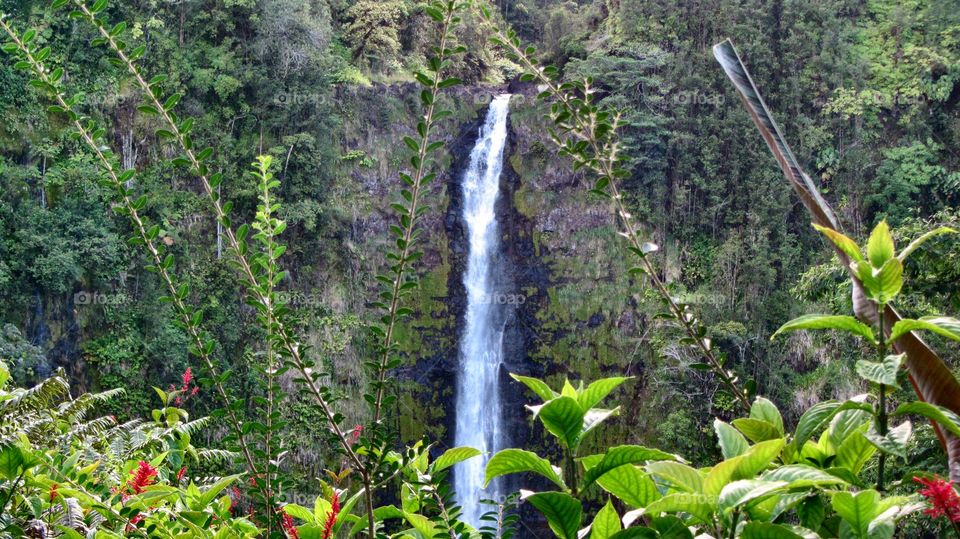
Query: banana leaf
point(930, 376)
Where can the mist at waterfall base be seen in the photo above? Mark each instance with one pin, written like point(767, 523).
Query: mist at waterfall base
point(478, 403)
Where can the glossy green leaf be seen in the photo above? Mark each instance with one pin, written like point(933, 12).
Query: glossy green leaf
point(826, 321)
point(765, 410)
point(857, 510)
point(700, 506)
point(453, 456)
point(537, 386)
point(883, 373)
point(842, 242)
point(894, 442)
point(606, 523)
point(944, 326)
point(597, 391)
point(620, 455)
point(915, 244)
point(747, 490)
point(757, 430)
point(946, 418)
point(563, 418)
point(732, 443)
point(801, 476)
point(767, 530)
point(677, 475)
point(562, 511)
point(880, 248)
point(510, 461)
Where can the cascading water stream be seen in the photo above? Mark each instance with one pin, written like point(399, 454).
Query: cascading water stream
point(478, 408)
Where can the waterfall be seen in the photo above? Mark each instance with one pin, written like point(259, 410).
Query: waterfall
point(478, 407)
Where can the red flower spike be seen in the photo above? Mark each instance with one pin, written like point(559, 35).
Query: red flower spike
point(181, 473)
point(288, 527)
point(143, 477)
point(332, 515)
point(942, 497)
point(53, 492)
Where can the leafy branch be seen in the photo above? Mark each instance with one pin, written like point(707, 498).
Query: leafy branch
point(397, 283)
point(179, 131)
point(587, 134)
point(190, 319)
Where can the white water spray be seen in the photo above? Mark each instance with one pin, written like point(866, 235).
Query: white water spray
point(478, 408)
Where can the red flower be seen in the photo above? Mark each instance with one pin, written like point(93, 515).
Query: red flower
point(143, 477)
point(185, 390)
point(332, 515)
point(288, 526)
point(181, 473)
point(53, 492)
point(942, 497)
point(133, 522)
point(355, 435)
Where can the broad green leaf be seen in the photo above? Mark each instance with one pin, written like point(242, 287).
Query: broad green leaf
point(880, 248)
point(854, 452)
point(631, 485)
point(511, 461)
point(454, 456)
point(747, 490)
point(537, 386)
point(883, 373)
point(846, 423)
point(606, 523)
point(944, 326)
point(817, 417)
point(594, 417)
point(922, 239)
point(842, 242)
point(941, 415)
point(757, 430)
point(801, 476)
point(698, 505)
point(210, 493)
point(746, 466)
point(14, 460)
point(857, 510)
point(298, 511)
point(562, 511)
point(637, 532)
point(767, 530)
point(670, 527)
point(597, 391)
point(732, 443)
point(765, 410)
point(422, 524)
point(895, 441)
point(563, 418)
point(827, 321)
point(889, 281)
point(620, 455)
point(677, 475)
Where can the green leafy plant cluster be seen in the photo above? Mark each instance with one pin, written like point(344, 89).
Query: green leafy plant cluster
point(64, 475)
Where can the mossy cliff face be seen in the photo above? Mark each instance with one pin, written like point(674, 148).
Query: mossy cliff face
point(574, 308)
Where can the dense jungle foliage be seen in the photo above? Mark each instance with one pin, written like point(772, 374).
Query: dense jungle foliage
point(230, 267)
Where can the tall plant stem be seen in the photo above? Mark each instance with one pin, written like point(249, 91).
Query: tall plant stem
point(200, 347)
point(291, 348)
point(882, 398)
point(604, 164)
point(411, 218)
